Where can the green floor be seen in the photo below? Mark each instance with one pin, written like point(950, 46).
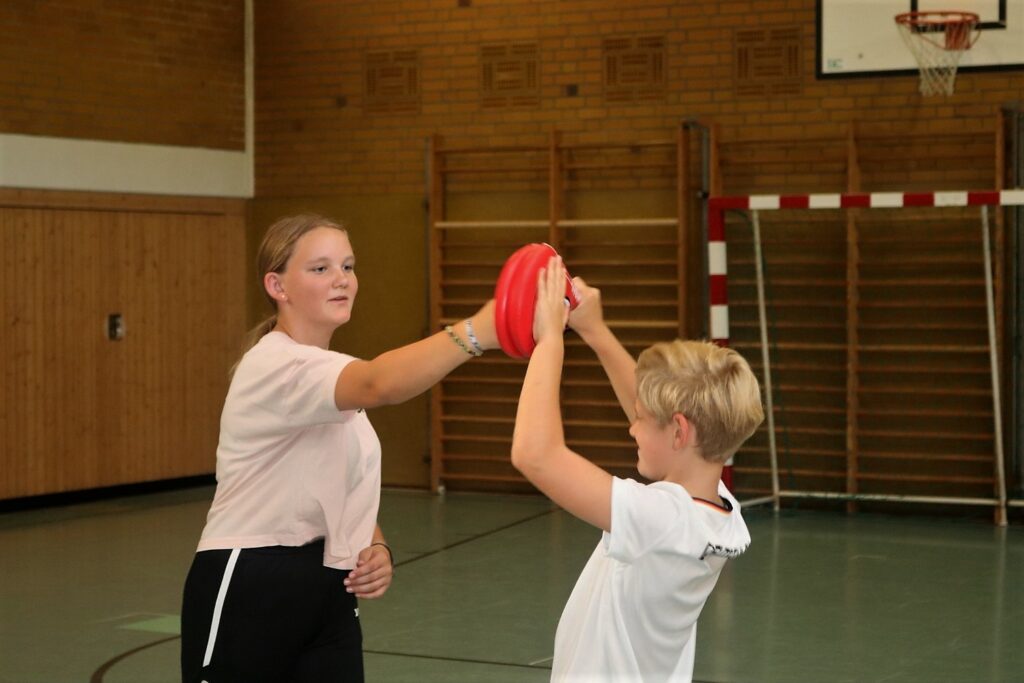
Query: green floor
point(91, 593)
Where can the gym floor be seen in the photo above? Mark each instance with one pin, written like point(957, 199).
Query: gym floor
point(91, 592)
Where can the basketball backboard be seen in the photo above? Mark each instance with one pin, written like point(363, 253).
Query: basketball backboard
point(859, 37)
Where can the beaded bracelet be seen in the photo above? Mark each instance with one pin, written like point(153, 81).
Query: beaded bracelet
point(458, 340)
point(472, 337)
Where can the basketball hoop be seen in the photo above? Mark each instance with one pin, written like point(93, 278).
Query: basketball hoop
point(938, 40)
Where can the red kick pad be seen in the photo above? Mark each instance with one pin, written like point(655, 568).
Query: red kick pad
point(515, 297)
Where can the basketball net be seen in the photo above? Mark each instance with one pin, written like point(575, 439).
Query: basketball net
point(938, 40)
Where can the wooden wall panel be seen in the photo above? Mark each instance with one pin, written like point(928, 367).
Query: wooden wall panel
point(79, 410)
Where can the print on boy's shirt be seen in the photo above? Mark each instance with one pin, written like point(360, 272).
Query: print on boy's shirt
point(721, 551)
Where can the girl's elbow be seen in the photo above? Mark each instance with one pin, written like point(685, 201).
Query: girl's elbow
point(394, 387)
point(381, 396)
point(375, 395)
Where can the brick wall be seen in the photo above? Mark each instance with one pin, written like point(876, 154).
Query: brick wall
point(143, 71)
point(323, 128)
point(172, 73)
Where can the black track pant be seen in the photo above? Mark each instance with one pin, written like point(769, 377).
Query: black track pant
point(276, 614)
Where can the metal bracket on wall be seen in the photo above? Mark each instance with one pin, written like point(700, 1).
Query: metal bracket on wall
point(115, 327)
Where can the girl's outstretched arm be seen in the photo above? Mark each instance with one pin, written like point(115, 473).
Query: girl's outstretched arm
point(400, 374)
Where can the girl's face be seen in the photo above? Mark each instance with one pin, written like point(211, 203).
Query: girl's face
point(318, 286)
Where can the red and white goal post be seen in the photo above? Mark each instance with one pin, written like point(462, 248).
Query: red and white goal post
point(923, 230)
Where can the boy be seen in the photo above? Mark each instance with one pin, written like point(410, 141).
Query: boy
point(633, 613)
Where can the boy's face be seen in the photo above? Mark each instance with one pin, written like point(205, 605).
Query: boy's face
point(654, 444)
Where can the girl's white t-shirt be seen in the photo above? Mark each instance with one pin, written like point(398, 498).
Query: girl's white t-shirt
point(632, 617)
point(291, 467)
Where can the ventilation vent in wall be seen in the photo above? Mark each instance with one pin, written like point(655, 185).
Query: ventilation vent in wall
point(509, 75)
point(768, 61)
point(392, 82)
point(634, 69)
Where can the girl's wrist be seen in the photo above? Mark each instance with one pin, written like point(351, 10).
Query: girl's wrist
point(471, 336)
point(464, 344)
point(386, 547)
point(482, 326)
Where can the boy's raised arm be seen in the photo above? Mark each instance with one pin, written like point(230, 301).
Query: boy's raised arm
point(588, 322)
point(538, 442)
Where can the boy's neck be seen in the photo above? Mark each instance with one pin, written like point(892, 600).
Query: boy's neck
point(699, 477)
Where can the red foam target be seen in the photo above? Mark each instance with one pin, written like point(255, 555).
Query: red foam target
point(516, 295)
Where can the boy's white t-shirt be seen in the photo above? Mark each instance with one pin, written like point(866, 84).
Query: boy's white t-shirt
point(633, 613)
point(291, 467)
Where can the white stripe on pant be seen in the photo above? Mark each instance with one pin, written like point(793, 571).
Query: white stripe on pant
point(218, 606)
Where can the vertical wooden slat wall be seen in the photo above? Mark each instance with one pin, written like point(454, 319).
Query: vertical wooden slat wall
point(80, 410)
point(877, 320)
point(612, 210)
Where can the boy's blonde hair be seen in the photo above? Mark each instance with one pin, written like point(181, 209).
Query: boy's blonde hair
point(712, 386)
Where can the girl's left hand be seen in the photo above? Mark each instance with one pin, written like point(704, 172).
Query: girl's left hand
point(372, 575)
point(552, 310)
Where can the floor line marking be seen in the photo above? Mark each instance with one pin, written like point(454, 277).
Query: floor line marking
point(130, 615)
point(465, 660)
point(97, 676)
point(477, 537)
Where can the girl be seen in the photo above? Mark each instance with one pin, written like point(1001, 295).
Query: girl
point(291, 540)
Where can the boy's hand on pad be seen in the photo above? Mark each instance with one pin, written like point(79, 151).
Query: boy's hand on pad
point(588, 316)
point(552, 309)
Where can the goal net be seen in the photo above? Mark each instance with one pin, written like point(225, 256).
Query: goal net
point(874, 323)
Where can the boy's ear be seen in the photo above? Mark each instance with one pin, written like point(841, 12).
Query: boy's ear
point(683, 431)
